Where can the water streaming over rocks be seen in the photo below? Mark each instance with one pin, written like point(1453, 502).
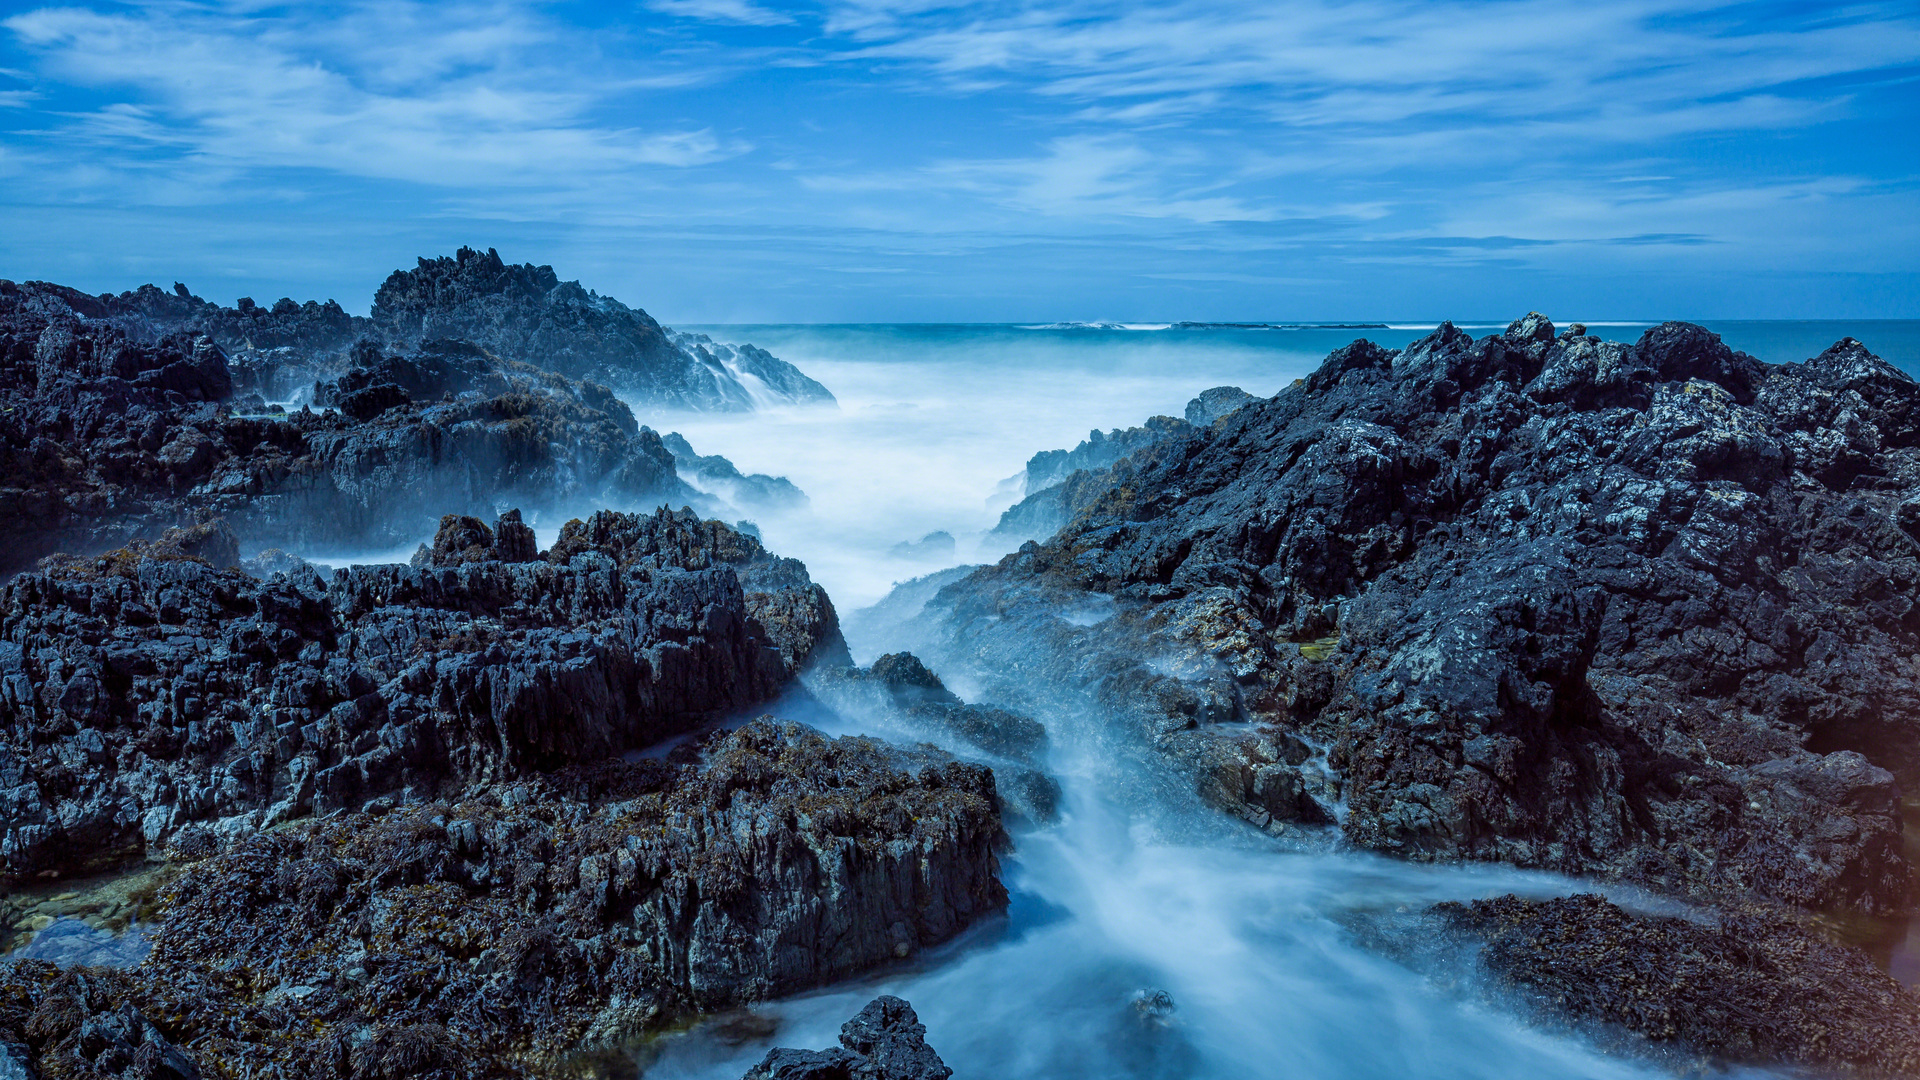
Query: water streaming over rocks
point(546, 895)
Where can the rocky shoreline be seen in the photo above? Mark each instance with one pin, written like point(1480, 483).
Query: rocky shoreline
point(475, 385)
point(1638, 614)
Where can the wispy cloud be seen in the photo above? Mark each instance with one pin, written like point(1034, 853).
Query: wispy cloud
point(722, 11)
point(445, 95)
point(1266, 137)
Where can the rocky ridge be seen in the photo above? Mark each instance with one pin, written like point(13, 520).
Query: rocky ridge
point(525, 312)
point(749, 491)
point(1639, 611)
point(151, 700)
point(107, 438)
point(901, 696)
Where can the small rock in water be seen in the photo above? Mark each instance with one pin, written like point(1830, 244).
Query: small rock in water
point(1155, 1007)
point(886, 1041)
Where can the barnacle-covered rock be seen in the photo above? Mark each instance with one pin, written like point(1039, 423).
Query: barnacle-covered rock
point(1745, 985)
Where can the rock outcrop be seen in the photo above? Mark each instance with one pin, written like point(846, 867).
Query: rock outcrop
point(107, 438)
point(900, 695)
point(501, 935)
point(1749, 986)
point(748, 491)
point(151, 701)
point(525, 312)
point(886, 1041)
point(1053, 487)
point(1645, 611)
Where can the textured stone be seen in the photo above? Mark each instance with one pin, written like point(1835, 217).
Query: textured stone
point(1643, 611)
point(501, 934)
point(151, 701)
point(1751, 987)
point(886, 1041)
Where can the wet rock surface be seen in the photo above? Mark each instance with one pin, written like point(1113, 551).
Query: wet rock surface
point(150, 700)
point(1643, 611)
point(499, 935)
point(1749, 985)
point(886, 1041)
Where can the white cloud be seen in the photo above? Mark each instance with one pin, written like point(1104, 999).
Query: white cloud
point(722, 11)
point(447, 95)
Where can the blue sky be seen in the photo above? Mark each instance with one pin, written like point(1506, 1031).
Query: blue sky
point(913, 160)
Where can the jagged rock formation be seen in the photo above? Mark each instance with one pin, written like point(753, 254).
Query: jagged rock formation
point(527, 313)
point(498, 935)
point(272, 351)
point(1639, 611)
point(761, 378)
point(107, 438)
point(1750, 987)
point(755, 491)
point(149, 700)
point(886, 1041)
point(522, 313)
point(901, 695)
point(1052, 490)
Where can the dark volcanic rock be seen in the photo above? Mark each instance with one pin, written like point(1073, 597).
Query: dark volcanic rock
point(496, 935)
point(107, 438)
point(527, 313)
point(1206, 409)
point(1752, 987)
point(150, 700)
point(1053, 490)
point(1641, 611)
point(886, 1041)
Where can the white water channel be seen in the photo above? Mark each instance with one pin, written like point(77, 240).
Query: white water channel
point(1268, 953)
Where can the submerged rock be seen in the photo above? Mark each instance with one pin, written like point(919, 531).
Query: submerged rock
point(152, 701)
point(497, 935)
point(886, 1041)
point(1643, 611)
point(1751, 987)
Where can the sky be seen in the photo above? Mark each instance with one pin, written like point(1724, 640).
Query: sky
point(922, 161)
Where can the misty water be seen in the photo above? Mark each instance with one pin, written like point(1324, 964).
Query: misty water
point(1278, 960)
